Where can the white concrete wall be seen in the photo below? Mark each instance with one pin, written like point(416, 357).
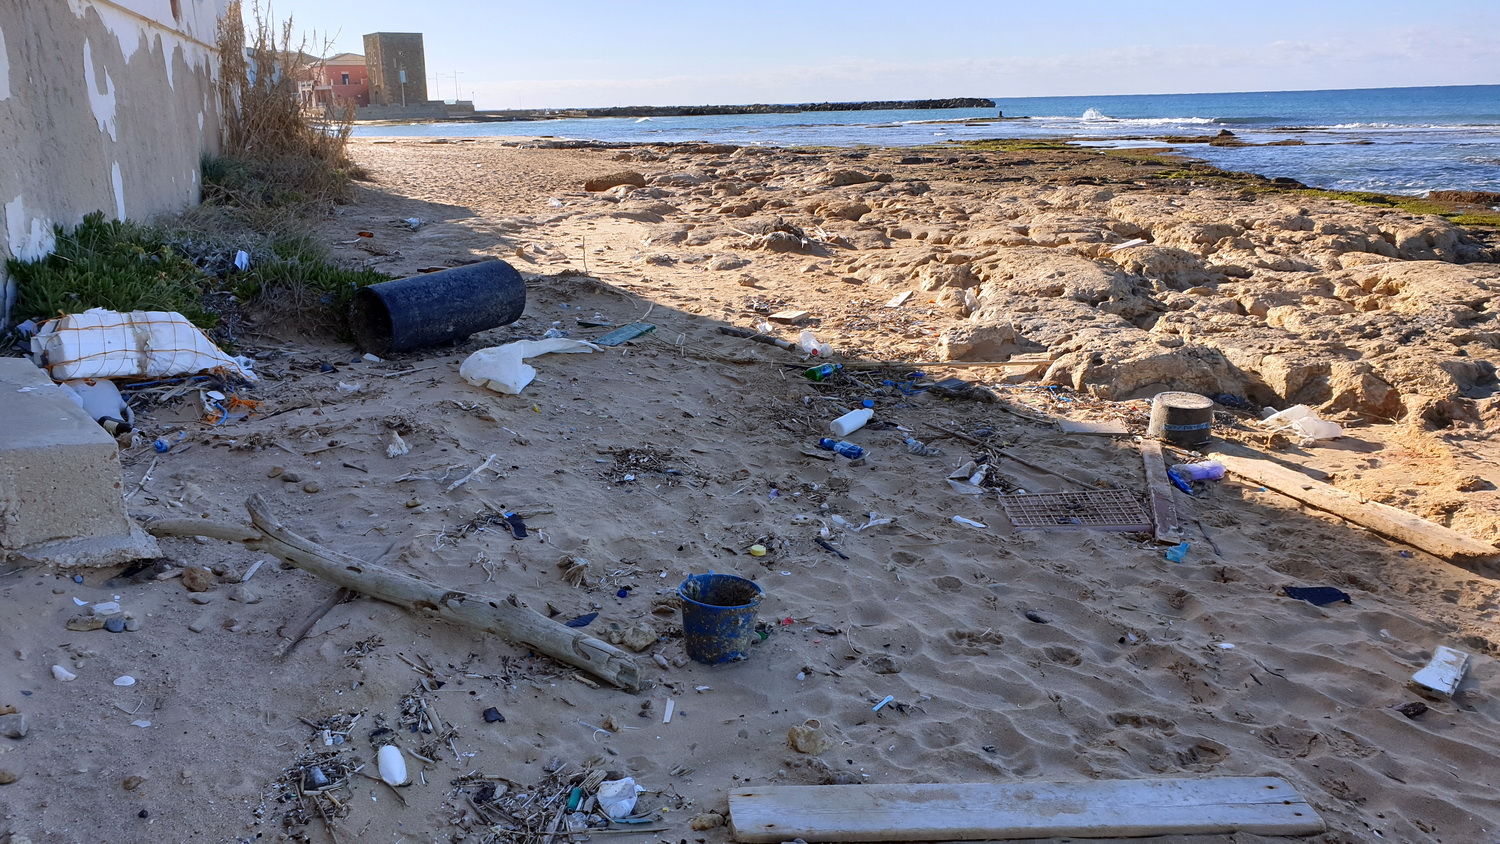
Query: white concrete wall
point(105, 105)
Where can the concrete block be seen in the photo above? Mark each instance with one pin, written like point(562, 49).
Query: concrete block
point(61, 498)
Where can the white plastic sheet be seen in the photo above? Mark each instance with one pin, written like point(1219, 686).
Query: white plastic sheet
point(110, 344)
point(501, 368)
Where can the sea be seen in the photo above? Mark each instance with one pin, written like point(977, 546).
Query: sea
point(1391, 140)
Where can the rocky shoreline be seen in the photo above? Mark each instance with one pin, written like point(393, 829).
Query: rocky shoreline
point(700, 110)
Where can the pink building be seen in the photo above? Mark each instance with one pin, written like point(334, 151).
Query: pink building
point(339, 81)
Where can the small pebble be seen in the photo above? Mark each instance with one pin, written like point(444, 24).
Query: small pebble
point(290, 478)
point(1038, 618)
point(311, 486)
point(197, 579)
point(143, 814)
point(124, 680)
point(198, 626)
point(201, 598)
point(414, 503)
point(131, 624)
point(244, 595)
point(77, 578)
point(275, 472)
point(133, 782)
point(106, 608)
point(8, 777)
point(62, 674)
point(114, 624)
point(13, 726)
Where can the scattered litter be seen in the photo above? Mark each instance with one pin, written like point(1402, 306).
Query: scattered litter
point(143, 724)
point(788, 317)
point(493, 716)
point(63, 675)
point(1177, 553)
point(810, 345)
point(501, 368)
point(666, 717)
point(850, 422)
point(899, 299)
point(582, 620)
point(757, 550)
point(100, 343)
point(970, 522)
point(1441, 676)
point(1098, 509)
point(124, 680)
point(842, 448)
point(1301, 420)
point(1319, 595)
point(397, 447)
point(1135, 241)
point(624, 333)
point(241, 260)
point(617, 797)
point(887, 698)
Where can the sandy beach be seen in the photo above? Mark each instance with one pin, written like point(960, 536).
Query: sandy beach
point(1009, 656)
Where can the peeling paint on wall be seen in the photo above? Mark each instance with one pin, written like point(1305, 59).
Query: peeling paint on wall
point(101, 98)
point(27, 243)
point(118, 181)
point(4, 69)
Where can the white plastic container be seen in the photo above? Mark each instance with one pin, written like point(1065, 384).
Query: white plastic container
point(1301, 419)
point(850, 422)
point(101, 400)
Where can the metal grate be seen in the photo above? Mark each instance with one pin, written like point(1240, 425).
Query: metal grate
point(1104, 509)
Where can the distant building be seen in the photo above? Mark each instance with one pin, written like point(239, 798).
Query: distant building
point(397, 65)
point(340, 81)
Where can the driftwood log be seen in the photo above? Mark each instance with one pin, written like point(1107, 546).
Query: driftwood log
point(501, 616)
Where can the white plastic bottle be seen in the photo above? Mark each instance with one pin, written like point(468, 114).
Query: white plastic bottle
point(850, 422)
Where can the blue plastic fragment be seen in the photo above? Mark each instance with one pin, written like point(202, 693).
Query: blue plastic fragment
point(582, 620)
point(1177, 553)
point(1178, 482)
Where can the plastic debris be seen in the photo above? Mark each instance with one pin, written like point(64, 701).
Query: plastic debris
point(63, 675)
point(1301, 420)
point(970, 522)
point(1320, 596)
point(1177, 553)
point(617, 797)
point(502, 368)
point(100, 343)
point(1208, 470)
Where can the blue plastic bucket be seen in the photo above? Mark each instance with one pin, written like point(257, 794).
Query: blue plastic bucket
point(718, 616)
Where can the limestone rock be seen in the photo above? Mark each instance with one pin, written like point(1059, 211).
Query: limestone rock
point(978, 341)
point(726, 262)
point(197, 578)
point(844, 178)
point(708, 820)
point(637, 637)
point(13, 726)
point(604, 183)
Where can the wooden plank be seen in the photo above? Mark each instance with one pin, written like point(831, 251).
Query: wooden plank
point(899, 299)
point(1380, 518)
point(1101, 427)
point(789, 317)
point(1163, 508)
point(1001, 811)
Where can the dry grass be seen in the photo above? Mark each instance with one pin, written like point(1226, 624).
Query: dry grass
point(272, 151)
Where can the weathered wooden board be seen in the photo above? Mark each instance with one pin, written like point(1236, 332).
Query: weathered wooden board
point(1000, 811)
point(1163, 508)
point(1384, 520)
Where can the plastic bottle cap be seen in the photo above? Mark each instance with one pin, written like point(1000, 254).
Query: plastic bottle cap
point(868, 402)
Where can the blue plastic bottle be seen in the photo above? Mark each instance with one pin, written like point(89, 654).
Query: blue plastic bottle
point(844, 447)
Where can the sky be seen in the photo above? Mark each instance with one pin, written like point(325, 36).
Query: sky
point(591, 53)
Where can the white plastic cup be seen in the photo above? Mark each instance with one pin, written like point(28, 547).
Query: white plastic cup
point(850, 422)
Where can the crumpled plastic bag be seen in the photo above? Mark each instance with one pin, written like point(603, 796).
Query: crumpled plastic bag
point(100, 343)
point(1301, 420)
point(502, 368)
point(617, 797)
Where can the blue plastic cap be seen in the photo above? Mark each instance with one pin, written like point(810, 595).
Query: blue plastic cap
point(868, 402)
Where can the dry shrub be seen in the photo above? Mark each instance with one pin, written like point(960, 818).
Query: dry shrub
point(273, 152)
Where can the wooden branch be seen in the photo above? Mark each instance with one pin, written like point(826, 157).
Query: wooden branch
point(300, 633)
point(1399, 525)
point(492, 615)
point(759, 338)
